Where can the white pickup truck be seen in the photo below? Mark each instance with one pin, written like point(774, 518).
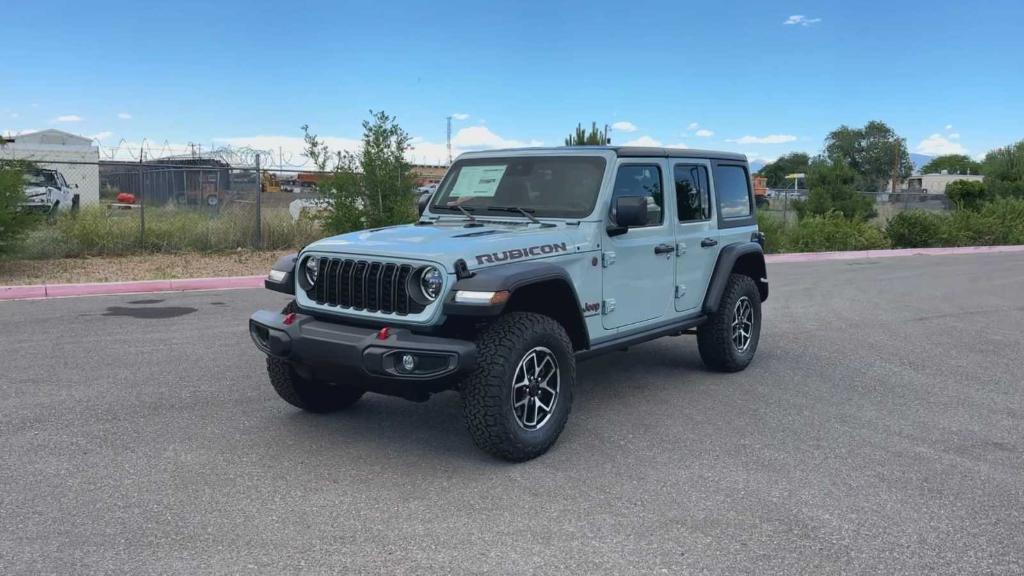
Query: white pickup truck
point(47, 191)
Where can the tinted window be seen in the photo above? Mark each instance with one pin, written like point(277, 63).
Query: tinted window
point(692, 198)
point(732, 185)
point(641, 180)
point(552, 186)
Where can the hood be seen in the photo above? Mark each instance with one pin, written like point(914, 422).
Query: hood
point(36, 192)
point(446, 241)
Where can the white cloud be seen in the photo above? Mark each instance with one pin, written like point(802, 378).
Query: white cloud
point(482, 137)
point(677, 145)
point(953, 135)
point(101, 135)
point(68, 118)
point(693, 126)
point(643, 141)
point(769, 139)
point(291, 149)
point(124, 116)
point(704, 133)
point(460, 116)
point(801, 20)
point(758, 157)
point(938, 145)
point(623, 126)
point(949, 126)
point(14, 114)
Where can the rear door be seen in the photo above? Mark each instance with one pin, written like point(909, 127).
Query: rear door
point(697, 243)
point(639, 266)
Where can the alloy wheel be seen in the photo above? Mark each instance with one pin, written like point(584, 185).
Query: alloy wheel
point(535, 388)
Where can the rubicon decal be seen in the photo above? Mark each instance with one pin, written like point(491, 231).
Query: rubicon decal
point(518, 253)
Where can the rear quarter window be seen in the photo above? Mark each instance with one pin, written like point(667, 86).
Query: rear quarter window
point(732, 186)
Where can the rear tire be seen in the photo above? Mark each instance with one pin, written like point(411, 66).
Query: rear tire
point(728, 340)
point(306, 393)
point(524, 361)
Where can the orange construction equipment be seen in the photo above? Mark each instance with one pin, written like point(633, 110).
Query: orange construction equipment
point(761, 191)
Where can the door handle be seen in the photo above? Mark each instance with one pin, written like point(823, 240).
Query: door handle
point(664, 249)
point(708, 243)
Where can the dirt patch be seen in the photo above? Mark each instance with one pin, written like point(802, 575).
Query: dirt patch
point(139, 267)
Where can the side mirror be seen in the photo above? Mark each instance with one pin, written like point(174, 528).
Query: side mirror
point(628, 212)
point(423, 201)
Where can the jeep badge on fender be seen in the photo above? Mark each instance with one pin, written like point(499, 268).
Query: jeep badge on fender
point(522, 263)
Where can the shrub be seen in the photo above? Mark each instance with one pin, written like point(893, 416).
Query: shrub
point(774, 230)
point(14, 224)
point(967, 194)
point(920, 229)
point(833, 232)
point(831, 187)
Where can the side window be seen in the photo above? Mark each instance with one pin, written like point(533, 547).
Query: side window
point(692, 196)
point(641, 180)
point(732, 186)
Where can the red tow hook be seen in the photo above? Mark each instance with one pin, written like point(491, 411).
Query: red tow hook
point(383, 333)
point(289, 319)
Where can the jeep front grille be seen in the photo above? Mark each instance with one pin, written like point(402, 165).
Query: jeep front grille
point(364, 285)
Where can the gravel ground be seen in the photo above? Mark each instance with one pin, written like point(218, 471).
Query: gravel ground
point(880, 430)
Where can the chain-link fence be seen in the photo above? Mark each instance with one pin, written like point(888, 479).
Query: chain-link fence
point(781, 202)
point(173, 203)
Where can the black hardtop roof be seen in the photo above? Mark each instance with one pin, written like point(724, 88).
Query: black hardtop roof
point(641, 151)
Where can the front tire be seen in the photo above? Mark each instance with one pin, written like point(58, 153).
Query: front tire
point(728, 340)
point(306, 393)
point(517, 400)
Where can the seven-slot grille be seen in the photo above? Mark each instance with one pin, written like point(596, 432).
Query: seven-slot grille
point(364, 285)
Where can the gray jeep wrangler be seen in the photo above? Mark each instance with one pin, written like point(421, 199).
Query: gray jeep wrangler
point(522, 263)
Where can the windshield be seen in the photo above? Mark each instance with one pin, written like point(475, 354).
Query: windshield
point(38, 178)
point(542, 186)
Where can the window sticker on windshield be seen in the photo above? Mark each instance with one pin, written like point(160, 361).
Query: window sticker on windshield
point(478, 181)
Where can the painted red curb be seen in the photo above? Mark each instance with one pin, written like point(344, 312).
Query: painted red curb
point(865, 254)
point(39, 291)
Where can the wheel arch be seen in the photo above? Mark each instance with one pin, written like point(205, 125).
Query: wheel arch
point(746, 258)
point(539, 287)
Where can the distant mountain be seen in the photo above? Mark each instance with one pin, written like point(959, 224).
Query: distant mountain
point(755, 166)
point(919, 160)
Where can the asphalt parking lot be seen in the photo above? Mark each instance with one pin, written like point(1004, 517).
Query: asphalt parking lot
point(879, 430)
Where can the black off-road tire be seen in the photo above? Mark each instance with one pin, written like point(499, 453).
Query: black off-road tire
point(306, 393)
point(715, 337)
point(487, 392)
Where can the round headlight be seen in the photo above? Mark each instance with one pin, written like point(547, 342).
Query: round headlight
point(431, 282)
point(312, 266)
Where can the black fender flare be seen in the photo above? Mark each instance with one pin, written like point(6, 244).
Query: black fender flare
point(725, 265)
point(509, 277)
point(284, 264)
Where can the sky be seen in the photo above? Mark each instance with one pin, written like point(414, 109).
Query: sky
point(760, 78)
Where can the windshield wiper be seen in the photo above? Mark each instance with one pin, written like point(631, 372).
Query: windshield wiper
point(463, 209)
point(528, 212)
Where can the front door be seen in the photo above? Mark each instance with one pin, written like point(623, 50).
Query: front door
point(639, 266)
point(697, 241)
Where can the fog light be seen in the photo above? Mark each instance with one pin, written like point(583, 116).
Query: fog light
point(408, 362)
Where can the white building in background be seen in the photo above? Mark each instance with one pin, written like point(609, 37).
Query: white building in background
point(49, 148)
point(935, 183)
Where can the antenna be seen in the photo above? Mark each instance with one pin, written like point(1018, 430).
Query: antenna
point(449, 139)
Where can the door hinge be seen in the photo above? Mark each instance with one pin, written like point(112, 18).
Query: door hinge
point(680, 249)
point(608, 306)
point(680, 290)
point(607, 259)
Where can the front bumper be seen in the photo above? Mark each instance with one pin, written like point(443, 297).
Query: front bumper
point(331, 347)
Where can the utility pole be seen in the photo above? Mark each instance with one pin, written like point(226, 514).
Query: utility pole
point(449, 139)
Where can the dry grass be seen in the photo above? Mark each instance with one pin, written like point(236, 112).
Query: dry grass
point(137, 267)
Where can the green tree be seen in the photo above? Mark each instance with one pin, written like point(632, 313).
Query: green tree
point(952, 164)
point(874, 152)
point(794, 162)
point(13, 222)
point(1004, 171)
point(583, 138)
point(967, 194)
point(369, 188)
point(832, 188)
